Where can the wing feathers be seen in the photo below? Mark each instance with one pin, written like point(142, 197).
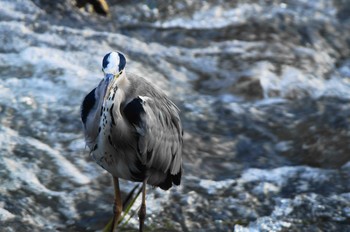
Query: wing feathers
point(158, 126)
point(88, 104)
point(133, 111)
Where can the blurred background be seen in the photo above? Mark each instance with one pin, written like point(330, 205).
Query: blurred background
point(263, 88)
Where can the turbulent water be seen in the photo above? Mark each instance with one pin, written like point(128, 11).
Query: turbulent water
point(263, 88)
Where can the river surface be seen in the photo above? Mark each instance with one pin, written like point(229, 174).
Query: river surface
point(263, 88)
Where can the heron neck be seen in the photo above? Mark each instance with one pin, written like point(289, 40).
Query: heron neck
point(119, 88)
point(121, 82)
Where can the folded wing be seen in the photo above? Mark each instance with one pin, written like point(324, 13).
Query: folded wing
point(159, 134)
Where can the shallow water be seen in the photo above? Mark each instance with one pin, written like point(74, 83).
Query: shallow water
point(263, 88)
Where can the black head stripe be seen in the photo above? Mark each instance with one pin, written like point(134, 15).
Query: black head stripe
point(105, 60)
point(122, 61)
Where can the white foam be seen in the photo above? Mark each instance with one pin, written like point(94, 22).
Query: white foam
point(213, 17)
point(65, 167)
point(20, 173)
point(213, 186)
point(5, 215)
point(280, 176)
point(296, 83)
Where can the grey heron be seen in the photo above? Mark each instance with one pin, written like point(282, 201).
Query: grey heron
point(133, 131)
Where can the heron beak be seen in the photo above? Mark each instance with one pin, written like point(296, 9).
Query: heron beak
point(109, 77)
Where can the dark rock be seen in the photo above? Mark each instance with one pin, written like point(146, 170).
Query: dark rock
point(99, 6)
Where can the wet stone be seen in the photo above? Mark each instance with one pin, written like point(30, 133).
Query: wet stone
point(263, 89)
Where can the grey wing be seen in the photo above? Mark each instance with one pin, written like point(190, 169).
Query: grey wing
point(159, 132)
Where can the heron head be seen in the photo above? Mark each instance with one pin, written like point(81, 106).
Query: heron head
point(113, 65)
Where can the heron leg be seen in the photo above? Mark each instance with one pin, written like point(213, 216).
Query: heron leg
point(142, 211)
point(118, 204)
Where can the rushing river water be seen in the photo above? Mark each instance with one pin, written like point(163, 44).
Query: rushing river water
point(263, 88)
